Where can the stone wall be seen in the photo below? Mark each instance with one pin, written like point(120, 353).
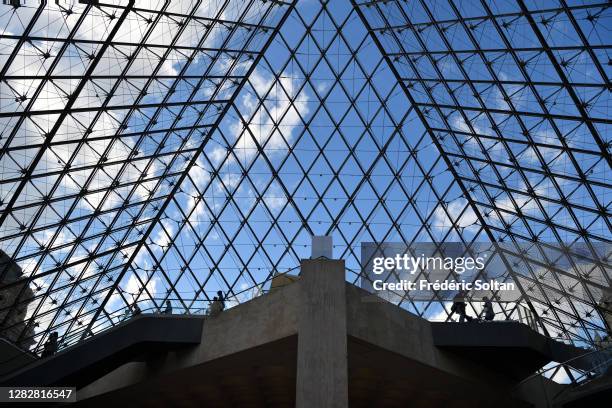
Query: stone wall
point(13, 319)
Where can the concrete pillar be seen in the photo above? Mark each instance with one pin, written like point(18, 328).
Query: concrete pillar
point(322, 367)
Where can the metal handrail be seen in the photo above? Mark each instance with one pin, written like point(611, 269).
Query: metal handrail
point(67, 341)
point(566, 362)
point(523, 313)
point(528, 316)
point(586, 375)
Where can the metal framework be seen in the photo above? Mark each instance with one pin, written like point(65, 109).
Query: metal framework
point(155, 151)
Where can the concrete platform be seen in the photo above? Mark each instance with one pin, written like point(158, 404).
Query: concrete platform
point(134, 339)
point(504, 346)
point(13, 358)
point(321, 342)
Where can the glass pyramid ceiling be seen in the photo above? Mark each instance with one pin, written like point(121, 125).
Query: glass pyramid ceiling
point(157, 150)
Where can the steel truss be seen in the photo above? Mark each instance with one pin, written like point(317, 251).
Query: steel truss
point(531, 154)
point(157, 151)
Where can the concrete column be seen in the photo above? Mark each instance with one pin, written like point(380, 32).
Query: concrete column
point(322, 372)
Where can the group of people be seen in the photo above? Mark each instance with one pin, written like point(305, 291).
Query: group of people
point(133, 311)
point(217, 306)
point(459, 307)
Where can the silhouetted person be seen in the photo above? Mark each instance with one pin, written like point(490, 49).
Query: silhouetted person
point(136, 310)
point(488, 309)
point(216, 307)
point(459, 308)
point(168, 309)
point(221, 299)
point(50, 346)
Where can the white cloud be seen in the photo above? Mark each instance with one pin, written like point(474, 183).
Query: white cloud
point(273, 128)
point(131, 291)
point(467, 219)
point(217, 155)
point(274, 197)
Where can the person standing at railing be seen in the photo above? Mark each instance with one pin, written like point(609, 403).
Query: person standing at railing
point(216, 307)
point(50, 347)
point(459, 308)
point(221, 300)
point(487, 309)
point(136, 310)
point(168, 309)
